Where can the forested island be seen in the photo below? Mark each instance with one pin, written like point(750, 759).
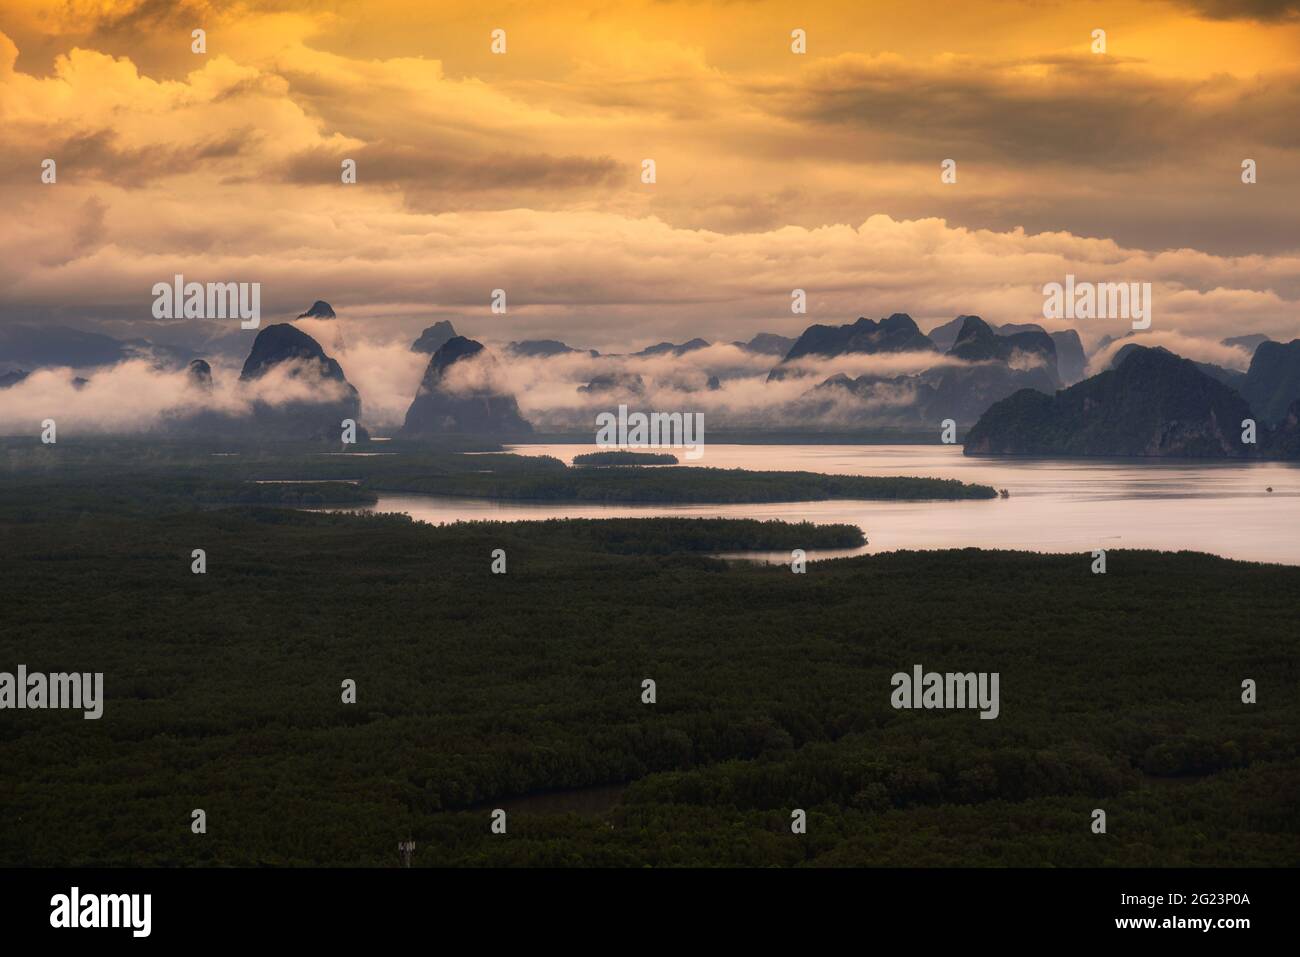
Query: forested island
point(625, 458)
point(679, 484)
point(193, 471)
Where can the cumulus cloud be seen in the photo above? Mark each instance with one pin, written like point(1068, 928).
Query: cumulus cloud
point(589, 278)
point(1189, 347)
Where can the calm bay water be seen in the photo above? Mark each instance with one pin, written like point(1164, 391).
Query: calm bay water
point(1055, 505)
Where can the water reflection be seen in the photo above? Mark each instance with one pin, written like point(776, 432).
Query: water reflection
point(1054, 505)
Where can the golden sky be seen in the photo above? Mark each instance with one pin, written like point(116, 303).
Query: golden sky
point(775, 171)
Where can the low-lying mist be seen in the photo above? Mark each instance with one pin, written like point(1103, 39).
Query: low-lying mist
point(730, 385)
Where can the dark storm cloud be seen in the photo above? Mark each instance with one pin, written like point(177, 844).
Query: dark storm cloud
point(102, 156)
point(416, 167)
point(1077, 109)
point(1262, 10)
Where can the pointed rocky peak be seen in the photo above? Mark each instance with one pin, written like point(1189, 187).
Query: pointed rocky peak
point(838, 381)
point(1273, 381)
point(1249, 342)
point(1228, 377)
point(978, 342)
point(975, 340)
point(433, 338)
point(1155, 371)
point(438, 409)
point(1070, 359)
point(450, 352)
point(944, 335)
point(314, 414)
point(320, 309)
point(282, 342)
point(1132, 349)
point(900, 323)
point(199, 373)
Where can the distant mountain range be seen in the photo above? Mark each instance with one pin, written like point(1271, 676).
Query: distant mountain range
point(545, 348)
point(767, 344)
point(30, 346)
point(980, 366)
point(669, 349)
point(1005, 381)
point(991, 367)
point(898, 333)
